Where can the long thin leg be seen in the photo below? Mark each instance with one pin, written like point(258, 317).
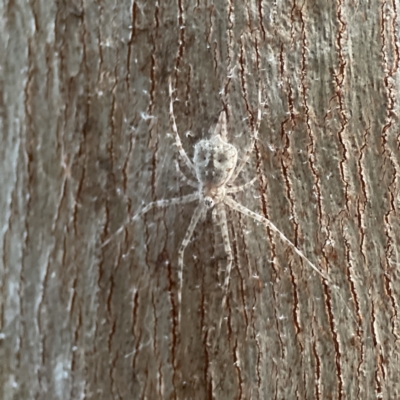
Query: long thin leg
point(184, 178)
point(244, 210)
point(253, 141)
point(227, 247)
point(235, 189)
point(178, 141)
point(221, 127)
point(214, 217)
point(188, 235)
point(158, 204)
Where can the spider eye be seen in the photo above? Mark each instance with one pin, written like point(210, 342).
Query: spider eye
point(202, 155)
point(221, 158)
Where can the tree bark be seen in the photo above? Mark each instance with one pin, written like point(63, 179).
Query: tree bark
point(86, 141)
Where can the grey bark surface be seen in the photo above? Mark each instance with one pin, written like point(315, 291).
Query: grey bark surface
point(86, 141)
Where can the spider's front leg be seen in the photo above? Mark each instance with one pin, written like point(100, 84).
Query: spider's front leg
point(249, 149)
point(178, 141)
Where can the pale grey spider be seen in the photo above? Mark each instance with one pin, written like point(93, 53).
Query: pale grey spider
point(215, 166)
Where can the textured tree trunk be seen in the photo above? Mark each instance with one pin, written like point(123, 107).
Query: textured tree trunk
point(84, 127)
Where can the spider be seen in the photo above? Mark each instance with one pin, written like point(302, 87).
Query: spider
point(215, 167)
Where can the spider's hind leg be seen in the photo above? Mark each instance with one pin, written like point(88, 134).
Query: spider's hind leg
point(219, 214)
point(154, 204)
point(188, 235)
point(245, 211)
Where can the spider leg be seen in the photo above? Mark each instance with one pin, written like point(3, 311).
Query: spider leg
point(155, 204)
point(235, 189)
point(184, 178)
point(188, 235)
point(214, 216)
point(221, 212)
point(253, 141)
point(244, 210)
point(221, 127)
point(178, 141)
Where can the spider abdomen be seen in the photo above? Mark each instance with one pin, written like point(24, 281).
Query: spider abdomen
point(214, 161)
